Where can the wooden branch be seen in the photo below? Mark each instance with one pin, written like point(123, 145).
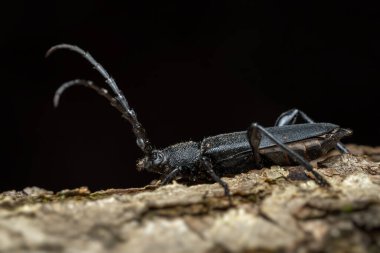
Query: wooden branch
point(275, 210)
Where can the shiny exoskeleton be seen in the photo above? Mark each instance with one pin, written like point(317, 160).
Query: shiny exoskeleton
point(286, 143)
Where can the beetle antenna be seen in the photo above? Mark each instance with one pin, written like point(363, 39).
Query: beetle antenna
point(88, 84)
point(119, 101)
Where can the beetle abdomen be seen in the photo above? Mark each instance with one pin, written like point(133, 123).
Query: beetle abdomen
point(309, 149)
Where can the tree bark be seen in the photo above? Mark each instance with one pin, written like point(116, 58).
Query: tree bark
point(274, 210)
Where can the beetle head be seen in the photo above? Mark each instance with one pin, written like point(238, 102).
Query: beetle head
point(156, 162)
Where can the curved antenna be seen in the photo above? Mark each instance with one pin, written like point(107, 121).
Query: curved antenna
point(88, 84)
point(127, 112)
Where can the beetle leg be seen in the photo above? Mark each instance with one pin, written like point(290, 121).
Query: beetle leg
point(290, 118)
point(206, 164)
point(292, 154)
point(169, 177)
point(255, 138)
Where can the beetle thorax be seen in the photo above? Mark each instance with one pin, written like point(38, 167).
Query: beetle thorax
point(184, 154)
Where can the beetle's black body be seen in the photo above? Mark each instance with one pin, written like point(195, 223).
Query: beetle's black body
point(231, 153)
point(309, 140)
point(286, 143)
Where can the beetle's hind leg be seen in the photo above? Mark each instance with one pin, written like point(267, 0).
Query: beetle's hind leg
point(290, 117)
point(255, 130)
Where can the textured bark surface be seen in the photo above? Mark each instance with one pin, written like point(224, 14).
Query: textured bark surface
point(275, 210)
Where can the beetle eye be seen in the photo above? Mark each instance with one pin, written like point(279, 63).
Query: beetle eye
point(157, 157)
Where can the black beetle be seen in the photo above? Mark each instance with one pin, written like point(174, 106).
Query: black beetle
point(286, 143)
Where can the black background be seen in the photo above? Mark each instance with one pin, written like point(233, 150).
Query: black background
point(188, 69)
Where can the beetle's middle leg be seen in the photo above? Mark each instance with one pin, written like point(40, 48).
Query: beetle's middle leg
point(290, 118)
point(207, 165)
point(255, 130)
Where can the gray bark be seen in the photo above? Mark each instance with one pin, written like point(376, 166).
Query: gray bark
point(275, 210)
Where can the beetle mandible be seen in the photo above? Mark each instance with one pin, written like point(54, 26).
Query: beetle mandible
point(286, 143)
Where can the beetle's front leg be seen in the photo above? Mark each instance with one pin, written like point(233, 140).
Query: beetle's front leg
point(290, 118)
point(207, 166)
point(169, 177)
